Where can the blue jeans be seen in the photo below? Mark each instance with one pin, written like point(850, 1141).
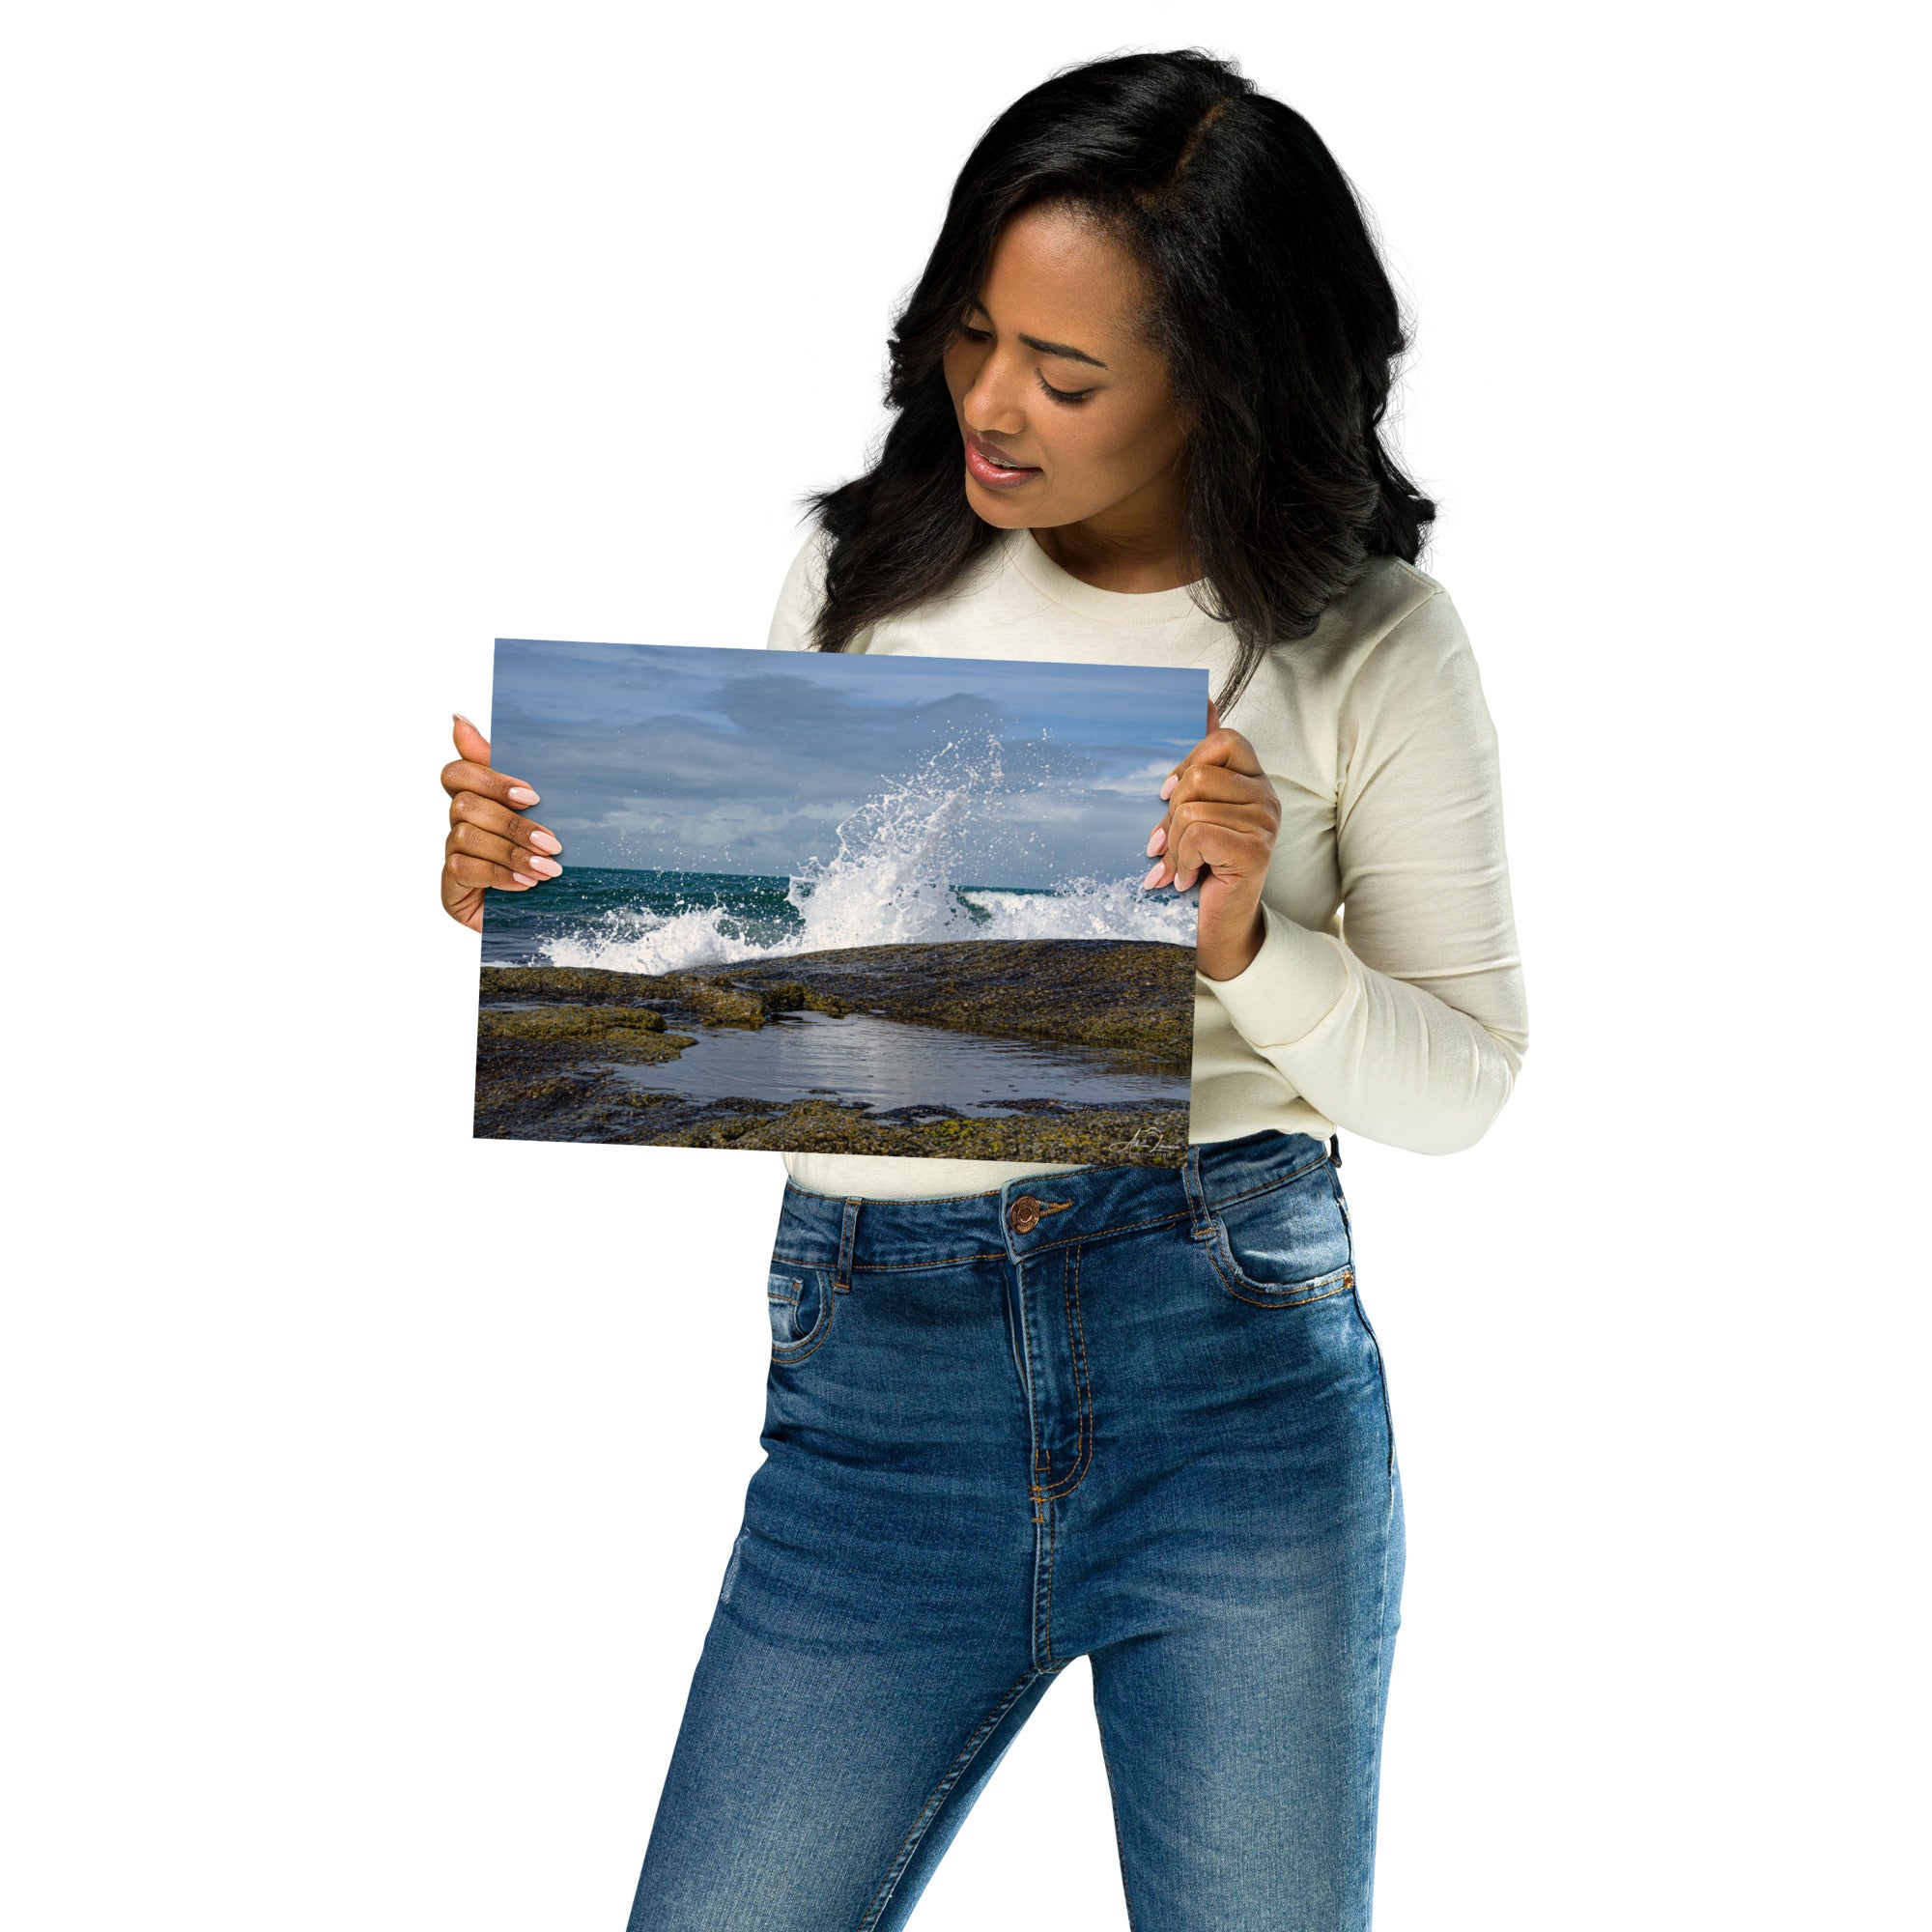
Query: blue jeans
point(1132, 1414)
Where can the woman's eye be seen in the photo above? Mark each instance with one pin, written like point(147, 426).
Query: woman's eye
point(1064, 395)
point(972, 334)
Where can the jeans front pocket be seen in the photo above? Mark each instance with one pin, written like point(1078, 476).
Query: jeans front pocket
point(801, 1301)
point(1287, 1242)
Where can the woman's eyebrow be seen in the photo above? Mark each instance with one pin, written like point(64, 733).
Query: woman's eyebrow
point(1065, 349)
point(1062, 349)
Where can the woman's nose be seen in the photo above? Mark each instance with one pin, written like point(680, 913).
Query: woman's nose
point(990, 405)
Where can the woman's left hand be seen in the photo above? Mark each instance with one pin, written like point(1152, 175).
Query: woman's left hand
point(1222, 816)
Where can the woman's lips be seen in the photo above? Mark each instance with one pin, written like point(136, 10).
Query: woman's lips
point(996, 476)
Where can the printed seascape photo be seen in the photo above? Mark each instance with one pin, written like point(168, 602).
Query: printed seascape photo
point(840, 903)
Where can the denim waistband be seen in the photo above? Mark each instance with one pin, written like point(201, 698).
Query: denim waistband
point(1031, 1215)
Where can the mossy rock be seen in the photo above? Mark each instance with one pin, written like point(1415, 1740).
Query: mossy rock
point(1123, 997)
point(721, 1004)
point(582, 984)
point(1103, 1136)
point(610, 1033)
point(711, 997)
point(550, 1022)
point(794, 996)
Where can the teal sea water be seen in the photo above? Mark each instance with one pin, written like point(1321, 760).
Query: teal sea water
point(595, 909)
point(666, 922)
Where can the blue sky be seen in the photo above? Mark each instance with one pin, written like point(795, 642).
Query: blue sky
point(719, 759)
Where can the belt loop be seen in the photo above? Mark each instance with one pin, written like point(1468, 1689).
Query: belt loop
point(841, 1275)
point(1335, 1149)
point(1199, 1225)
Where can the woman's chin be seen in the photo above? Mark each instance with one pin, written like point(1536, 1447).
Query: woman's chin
point(998, 507)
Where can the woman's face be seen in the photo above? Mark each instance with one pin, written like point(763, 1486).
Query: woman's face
point(1047, 373)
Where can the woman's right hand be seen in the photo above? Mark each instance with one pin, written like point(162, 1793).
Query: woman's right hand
point(490, 842)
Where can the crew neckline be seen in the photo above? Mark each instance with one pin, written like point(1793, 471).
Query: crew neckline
point(1110, 607)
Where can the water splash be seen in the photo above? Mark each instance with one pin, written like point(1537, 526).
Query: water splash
point(895, 880)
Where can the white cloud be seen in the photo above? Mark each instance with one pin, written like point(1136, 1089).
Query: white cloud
point(1146, 779)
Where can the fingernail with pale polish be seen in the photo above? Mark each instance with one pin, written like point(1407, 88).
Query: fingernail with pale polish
point(549, 868)
point(521, 795)
point(461, 720)
point(1173, 779)
point(544, 842)
point(1154, 875)
point(522, 878)
point(1158, 840)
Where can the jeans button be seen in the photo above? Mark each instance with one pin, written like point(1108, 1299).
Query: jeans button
point(1023, 1216)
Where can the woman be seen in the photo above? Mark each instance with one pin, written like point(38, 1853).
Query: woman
point(1019, 1414)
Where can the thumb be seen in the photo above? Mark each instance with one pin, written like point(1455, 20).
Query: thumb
point(1213, 716)
point(470, 743)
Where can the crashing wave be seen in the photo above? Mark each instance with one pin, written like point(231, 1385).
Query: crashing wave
point(895, 880)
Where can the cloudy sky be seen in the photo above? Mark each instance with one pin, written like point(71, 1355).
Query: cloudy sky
point(715, 759)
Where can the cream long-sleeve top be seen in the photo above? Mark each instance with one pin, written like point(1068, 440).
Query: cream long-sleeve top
point(1387, 997)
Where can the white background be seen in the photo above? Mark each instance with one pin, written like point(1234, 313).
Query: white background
point(367, 1488)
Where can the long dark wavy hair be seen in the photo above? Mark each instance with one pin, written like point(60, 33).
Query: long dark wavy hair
point(1269, 303)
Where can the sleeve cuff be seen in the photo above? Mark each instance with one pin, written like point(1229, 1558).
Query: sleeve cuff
point(1287, 988)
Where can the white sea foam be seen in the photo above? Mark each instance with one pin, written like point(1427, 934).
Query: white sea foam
point(1089, 909)
point(893, 881)
point(637, 940)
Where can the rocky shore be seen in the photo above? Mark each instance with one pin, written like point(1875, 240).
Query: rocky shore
point(551, 1041)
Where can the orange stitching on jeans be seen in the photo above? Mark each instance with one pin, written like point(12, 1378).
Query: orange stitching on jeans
point(1024, 1328)
point(948, 1261)
point(1241, 1294)
point(1227, 1264)
point(816, 1339)
point(1248, 1194)
point(1042, 1458)
point(1043, 1497)
point(889, 1268)
point(990, 1254)
point(1118, 1228)
point(1043, 1613)
point(1083, 1454)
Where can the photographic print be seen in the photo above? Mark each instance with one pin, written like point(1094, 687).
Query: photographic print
point(840, 903)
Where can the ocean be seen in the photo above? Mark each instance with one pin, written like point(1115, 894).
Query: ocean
point(669, 921)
